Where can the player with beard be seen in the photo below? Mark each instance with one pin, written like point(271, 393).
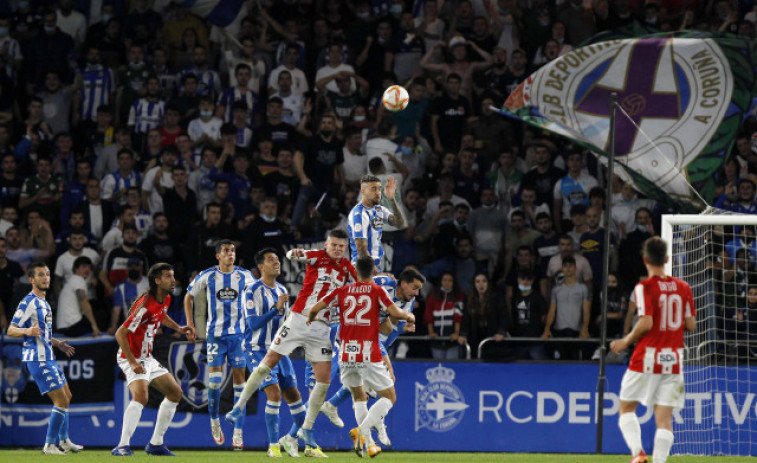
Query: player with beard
point(34, 321)
point(326, 270)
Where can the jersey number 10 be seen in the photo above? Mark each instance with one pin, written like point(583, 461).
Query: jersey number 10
point(671, 306)
point(363, 306)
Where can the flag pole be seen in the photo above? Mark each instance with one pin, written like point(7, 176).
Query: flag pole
point(606, 271)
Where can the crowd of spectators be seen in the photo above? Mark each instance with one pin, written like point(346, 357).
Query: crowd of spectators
point(133, 132)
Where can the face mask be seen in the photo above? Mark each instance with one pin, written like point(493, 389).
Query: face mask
point(651, 20)
point(406, 150)
point(3, 31)
point(136, 64)
point(524, 288)
point(381, 40)
point(327, 133)
point(358, 118)
point(641, 228)
point(457, 223)
point(395, 9)
point(130, 244)
point(206, 113)
point(445, 290)
point(489, 206)
point(364, 15)
point(133, 274)
point(177, 291)
point(106, 18)
point(49, 29)
point(267, 219)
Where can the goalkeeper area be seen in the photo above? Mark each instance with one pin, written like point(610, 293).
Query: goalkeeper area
point(715, 252)
point(194, 456)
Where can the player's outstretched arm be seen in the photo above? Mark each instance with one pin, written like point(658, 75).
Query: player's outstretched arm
point(189, 313)
point(296, 255)
point(643, 326)
point(396, 219)
point(17, 332)
point(168, 322)
point(395, 312)
point(316, 309)
point(64, 346)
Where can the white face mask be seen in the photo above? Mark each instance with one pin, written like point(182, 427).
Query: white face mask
point(267, 219)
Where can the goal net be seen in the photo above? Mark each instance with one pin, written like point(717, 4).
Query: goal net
point(715, 253)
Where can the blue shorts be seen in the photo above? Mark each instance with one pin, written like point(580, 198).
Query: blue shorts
point(226, 347)
point(47, 375)
point(282, 374)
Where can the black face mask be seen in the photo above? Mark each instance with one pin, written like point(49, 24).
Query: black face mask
point(327, 133)
point(130, 244)
point(134, 274)
point(499, 65)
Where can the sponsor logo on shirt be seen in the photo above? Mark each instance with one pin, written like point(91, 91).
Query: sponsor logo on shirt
point(227, 294)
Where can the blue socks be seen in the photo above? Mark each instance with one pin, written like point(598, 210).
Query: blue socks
point(272, 421)
point(297, 410)
point(238, 388)
point(340, 396)
point(57, 419)
point(214, 394)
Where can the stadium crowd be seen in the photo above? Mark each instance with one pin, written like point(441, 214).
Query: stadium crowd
point(133, 132)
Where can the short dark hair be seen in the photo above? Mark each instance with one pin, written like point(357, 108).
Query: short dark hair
point(338, 233)
point(30, 270)
point(578, 209)
point(76, 231)
point(221, 243)
point(526, 274)
point(409, 275)
point(542, 215)
point(519, 213)
point(364, 266)
point(260, 255)
point(81, 261)
point(368, 178)
point(374, 166)
point(655, 250)
point(569, 260)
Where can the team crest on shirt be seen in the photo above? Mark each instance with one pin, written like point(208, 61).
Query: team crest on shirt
point(439, 405)
point(377, 223)
point(192, 372)
point(226, 294)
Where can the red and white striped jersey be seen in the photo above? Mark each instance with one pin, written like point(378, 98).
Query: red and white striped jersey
point(668, 301)
point(360, 307)
point(322, 275)
point(143, 324)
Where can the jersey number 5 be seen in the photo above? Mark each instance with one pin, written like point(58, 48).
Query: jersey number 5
point(671, 317)
point(363, 304)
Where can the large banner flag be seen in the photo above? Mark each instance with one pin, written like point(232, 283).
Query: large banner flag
point(218, 12)
point(682, 98)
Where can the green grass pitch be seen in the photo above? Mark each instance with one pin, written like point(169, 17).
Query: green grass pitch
point(96, 456)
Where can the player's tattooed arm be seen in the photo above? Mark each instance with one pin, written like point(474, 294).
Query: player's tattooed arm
point(396, 219)
point(362, 247)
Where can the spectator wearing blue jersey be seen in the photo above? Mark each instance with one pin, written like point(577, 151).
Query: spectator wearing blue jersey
point(33, 321)
point(222, 288)
point(366, 220)
point(266, 306)
point(238, 92)
point(95, 85)
point(127, 292)
point(147, 113)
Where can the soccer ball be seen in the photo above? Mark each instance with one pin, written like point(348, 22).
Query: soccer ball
point(395, 98)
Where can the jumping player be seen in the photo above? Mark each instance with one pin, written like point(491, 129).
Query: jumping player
point(654, 377)
point(360, 307)
point(34, 321)
point(326, 270)
point(135, 338)
point(266, 305)
point(223, 287)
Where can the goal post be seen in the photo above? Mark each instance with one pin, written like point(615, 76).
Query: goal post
point(713, 253)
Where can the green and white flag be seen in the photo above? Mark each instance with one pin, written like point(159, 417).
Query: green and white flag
point(683, 98)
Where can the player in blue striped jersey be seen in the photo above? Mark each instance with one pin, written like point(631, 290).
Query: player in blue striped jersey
point(96, 84)
point(366, 220)
point(402, 293)
point(34, 321)
point(266, 304)
point(222, 287)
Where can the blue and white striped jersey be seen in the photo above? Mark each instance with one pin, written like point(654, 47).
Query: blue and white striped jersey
point(98, 82)
point(35, 310)
point(224, 293)
point(368, 223)
point(208, 81)
point(231, 95)
point(127, 292)
point(262, 324)
point(390, 286)
point(145, 115)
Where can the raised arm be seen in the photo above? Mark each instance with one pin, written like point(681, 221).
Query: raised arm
point(396, 219)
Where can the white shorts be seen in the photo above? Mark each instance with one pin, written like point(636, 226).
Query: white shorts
point(295, 332)
point(650, 389)
point(153, 370)
point(374, 374)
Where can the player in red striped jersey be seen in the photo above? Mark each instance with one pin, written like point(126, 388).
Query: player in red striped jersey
point(326, 270)
point(665, 306)
point(360, 359)
point(135, 338)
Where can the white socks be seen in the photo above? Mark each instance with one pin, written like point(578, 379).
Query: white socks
point(165, 416)
point(132, 414)
point(317, 396)
point(253, 383)
point(631, 430)
point(663, 441)
point(375, 415)
point(361, 411)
